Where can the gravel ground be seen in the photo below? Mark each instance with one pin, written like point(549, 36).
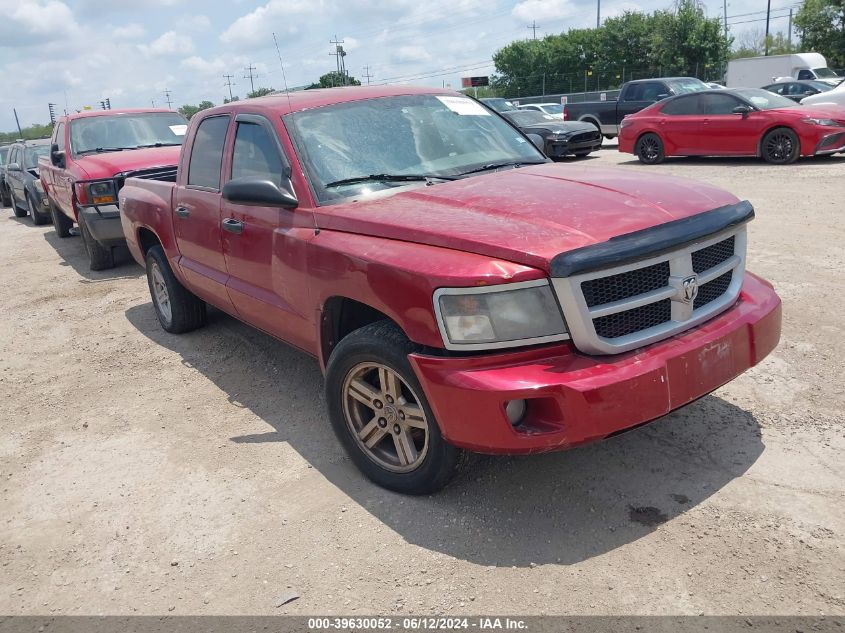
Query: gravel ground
point(149, 473)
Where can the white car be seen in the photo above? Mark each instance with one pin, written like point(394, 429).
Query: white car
point(831, 97)
point(552, 109)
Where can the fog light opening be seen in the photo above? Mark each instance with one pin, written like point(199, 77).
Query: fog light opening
point(515, 410)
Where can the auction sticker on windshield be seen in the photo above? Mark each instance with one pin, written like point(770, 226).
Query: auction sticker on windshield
point(178, 130)
point(462, 105)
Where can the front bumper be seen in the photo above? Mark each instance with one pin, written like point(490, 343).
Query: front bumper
point(573, 399)
point(103, 224)
point(832, 143)
point(559, 149)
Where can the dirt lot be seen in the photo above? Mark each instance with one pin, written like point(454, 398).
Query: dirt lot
point(149, 473)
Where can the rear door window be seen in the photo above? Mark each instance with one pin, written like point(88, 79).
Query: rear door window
point(683, 106)
point(207, 153)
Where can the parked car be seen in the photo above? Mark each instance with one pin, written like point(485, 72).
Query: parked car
point(798, 90)
point(737, 122)
point(835, 98)
point(4, 194)
point(714, 85)
point(92, 153)
point(498, 104)
point(560, 138)
point(460, 290)
point(635, 95)
point(22, 180)
point(757, 71)
point(552, 109)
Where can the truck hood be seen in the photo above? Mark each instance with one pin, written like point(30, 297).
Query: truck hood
point(108, 164)
point(526, 215)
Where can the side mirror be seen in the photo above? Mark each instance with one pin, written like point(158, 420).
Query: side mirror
point(13, 167)
point(259, 192)
point(538, 141)
point(744, 110)
point(57, 157)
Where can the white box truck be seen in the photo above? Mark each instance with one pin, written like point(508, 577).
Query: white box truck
point(756, 72)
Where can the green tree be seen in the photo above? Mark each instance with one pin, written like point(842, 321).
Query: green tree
point(333, 79)
point(188, 111)
point(259, 92)
point(232, 100)
point(821, 25)
point(34, 131)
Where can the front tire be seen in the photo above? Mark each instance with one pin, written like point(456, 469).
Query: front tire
point(650, 149)
point(4, 196)
point(61, 223)
point(35, 216)
point(380, 415)
point(177, 308)
point(780, 146)
point(99, 257)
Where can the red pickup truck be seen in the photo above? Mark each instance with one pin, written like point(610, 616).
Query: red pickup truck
point(91, 155)
point(459, 290)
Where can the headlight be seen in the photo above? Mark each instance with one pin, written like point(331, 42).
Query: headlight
point(825, 122)
point(102, 192)
point(507, 315)
point(91, 193)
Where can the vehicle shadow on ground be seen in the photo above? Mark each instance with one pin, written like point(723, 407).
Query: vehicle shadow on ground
point(73, 254)
point(746, 161)
point(504, 511)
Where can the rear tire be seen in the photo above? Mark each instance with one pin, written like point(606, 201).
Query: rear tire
point(61, 223)
point(380, 415)
point(19, 213)
point(99, 257)
point(4, 195)
point(177, 308)
point(37, 218)
point(780, 146)
point(649, 149)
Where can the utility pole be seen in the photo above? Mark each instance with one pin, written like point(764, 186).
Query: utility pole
point(768, 16)
point(228, 79)
point(368, 75)
point(167, 98)
point(250, 76)
point(52, 108)
point(725, 14)
point(339, 55)
point(598, 13)
point(790, 30)
point(153, 101)
point(533, 27)
point(108, 103)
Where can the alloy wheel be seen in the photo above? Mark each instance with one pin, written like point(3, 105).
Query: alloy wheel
point(779, 147)
point(160, 294)
point(385, 417)
point(650, 148)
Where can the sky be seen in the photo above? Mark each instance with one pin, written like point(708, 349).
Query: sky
point(75, 53)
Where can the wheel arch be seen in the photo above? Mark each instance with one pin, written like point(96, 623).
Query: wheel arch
point(147, 238)
point(772, 128)
point(340, 316)
point(589, 118)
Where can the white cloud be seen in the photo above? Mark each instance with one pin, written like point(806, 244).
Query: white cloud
point(31, 22)
point(199, 23)
point(168, 44)
point(129, 32)
point(255, 29)
point(530, 10)
point(412, 53)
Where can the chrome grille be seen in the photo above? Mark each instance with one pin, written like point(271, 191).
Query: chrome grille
point(625, 307)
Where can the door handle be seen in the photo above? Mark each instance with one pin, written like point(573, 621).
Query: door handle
point(182, 212)
point(233, 226)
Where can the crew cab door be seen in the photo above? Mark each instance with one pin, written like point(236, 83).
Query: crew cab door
point(196, 213)
point(264, 246)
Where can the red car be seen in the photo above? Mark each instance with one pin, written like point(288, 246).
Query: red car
point(741, 122)
point(91, 154)
point(459, 290)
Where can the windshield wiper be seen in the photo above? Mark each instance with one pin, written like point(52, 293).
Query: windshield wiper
point(515, 163)
point(387, 178)
point(156, 145)
point(98, 150)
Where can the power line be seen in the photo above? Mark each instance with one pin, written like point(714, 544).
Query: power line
point(533, 28)
point(249, 69)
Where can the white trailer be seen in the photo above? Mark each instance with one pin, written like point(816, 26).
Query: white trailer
point(755, 72)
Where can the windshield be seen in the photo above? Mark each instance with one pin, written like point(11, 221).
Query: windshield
point(553, 108)
point(765, 100)
point(32, 154)
point(402, 136)
point(825, 73)
point(500, 105)
point(687, 85)
point(529, 117)
point(127, 131)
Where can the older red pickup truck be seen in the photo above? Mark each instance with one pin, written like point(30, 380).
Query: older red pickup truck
point(91, 155)
point(459, 290)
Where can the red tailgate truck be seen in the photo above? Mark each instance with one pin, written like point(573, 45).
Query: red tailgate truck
point(460, 291)
point(91, 155)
